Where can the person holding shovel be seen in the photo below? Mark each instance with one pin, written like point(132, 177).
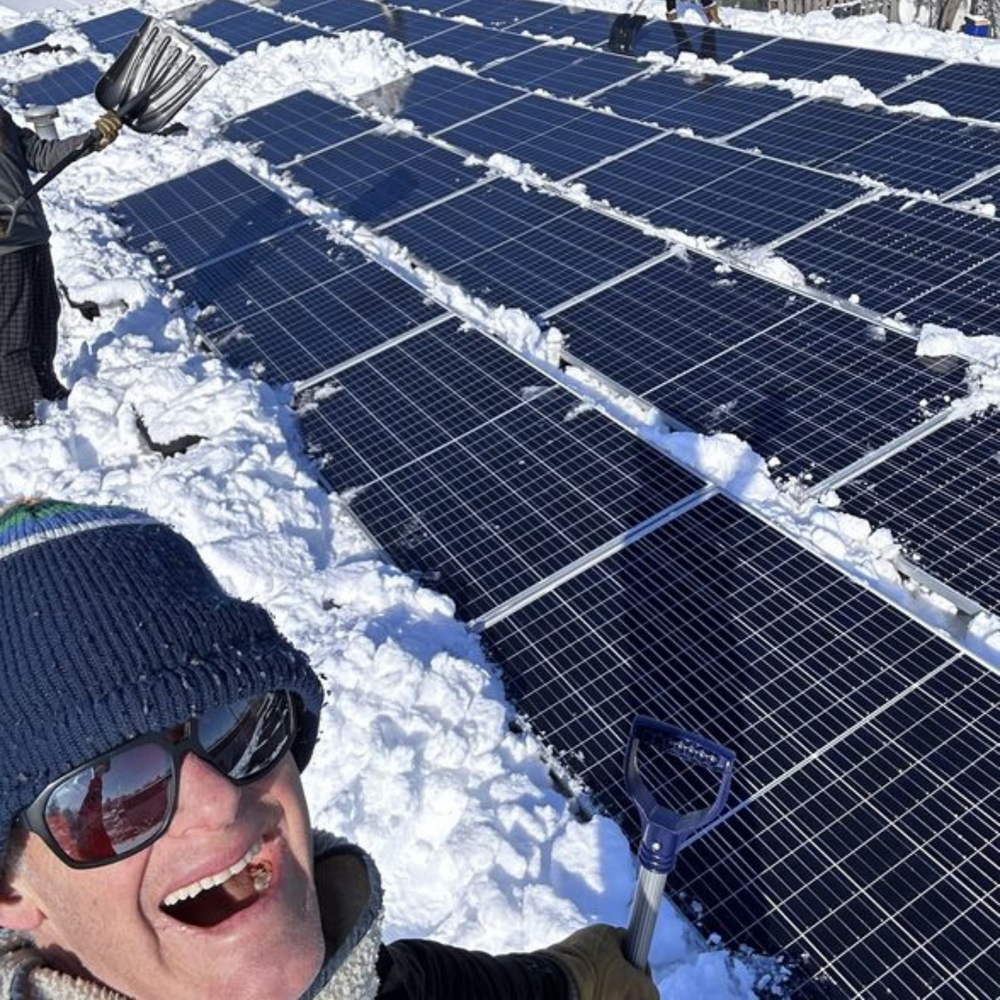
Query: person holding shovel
point(155, 842)
point(29, 300)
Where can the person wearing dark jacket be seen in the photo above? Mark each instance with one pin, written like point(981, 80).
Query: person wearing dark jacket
point(29, 300)
point(122, 657)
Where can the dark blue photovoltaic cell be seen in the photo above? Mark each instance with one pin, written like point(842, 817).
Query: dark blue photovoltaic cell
point(203, 215)
point(555, 137)
point(435, 98)
point(590, 27)
point(940, 498)
point(921, 262)
point(296, 305)
point(706, 189)
point(864, 795)
point(926, 154)
point(811, 389)
point(479, 46)
point(511, 500)
point(521, 248)
point(813, 132)
point(379, 177)
point(564, 71)
point(792, 59)
point(110, 32)
point(490, 13)
point(64, 84)
point(336, 14)
point(296, 126)
point(416, 31)
point(23, 36)
point(970, 90)
point(244, 29)
point(707, 105)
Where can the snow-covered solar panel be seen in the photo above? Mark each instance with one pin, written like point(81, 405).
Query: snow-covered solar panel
point(466, 43)
point(378, 177)
point(861, 836)
point(504, 477)
point(970, 90)
point(918, 261)
point(708, 105)
point(201, 216)
point(437, 98)
point(244, 29)
point(589, 27)
point(676, 37)
point(489, 12)
point(297, 126)
point(810, 388)
point(111, 32)
point(564, 71)
point(705, 189)
point(521, 248)
point(294, 306)
point(61, 85)
point(23, 36)
point(795, 59)
point(555, 137)
point(940, 498)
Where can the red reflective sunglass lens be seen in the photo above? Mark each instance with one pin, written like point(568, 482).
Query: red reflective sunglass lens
point(114, 805)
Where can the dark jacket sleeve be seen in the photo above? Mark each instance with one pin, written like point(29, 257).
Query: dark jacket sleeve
point(43, 154)
point(427, 970)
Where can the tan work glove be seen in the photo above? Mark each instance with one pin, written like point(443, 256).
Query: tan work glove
point(109, 125)
point(594, 958)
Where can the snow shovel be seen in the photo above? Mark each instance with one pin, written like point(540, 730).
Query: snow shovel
point(155, 75)
point(624, 29)
point(664, 830)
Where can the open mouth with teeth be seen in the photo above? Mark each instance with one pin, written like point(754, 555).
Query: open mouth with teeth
point(216, 898)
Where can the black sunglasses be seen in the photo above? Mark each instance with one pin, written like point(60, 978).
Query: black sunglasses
point(121, 802)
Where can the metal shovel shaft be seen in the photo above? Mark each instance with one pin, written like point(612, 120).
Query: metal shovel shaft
point(642, 919)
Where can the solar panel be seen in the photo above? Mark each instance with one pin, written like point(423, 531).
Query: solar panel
point(436, 98)
point(986, 191)
point(23, 36)
point(966, 89)
point(556, 138)
point(294, 306)
point(244, 29)
point(940, 497)
point(926, 154)
point(589, 27)
point(505, 492)
point(675, 37)
point(708, 105)
point(811, 389)
point(792, 59)
point(296, 126)
point(812, 132)
point(192, 220)
point(709, 190)
point(416, 31)
point(61, 85)
point(521, 248)
point(379, 177)
point(490, 13)
point(110, 32)
point(565, 72)
point(479, 46)
point(336, 14)
point(862, 829)
point(922, 262)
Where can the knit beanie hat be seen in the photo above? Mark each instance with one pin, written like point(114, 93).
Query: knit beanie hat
point(111, 626)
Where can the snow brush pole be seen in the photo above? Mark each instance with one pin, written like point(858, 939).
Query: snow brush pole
point(664, 830)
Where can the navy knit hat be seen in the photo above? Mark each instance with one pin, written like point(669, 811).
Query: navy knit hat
point(111, 626)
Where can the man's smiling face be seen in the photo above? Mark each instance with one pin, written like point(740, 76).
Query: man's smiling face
point(223, 905)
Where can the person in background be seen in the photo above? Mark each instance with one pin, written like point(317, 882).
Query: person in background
point(190, 871)
point(29, 300)
point(710, 8)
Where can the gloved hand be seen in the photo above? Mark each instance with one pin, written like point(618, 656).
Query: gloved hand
point(595, 959)
point(109, 125)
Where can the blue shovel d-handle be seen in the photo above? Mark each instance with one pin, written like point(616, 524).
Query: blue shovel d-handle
point(664, 831)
